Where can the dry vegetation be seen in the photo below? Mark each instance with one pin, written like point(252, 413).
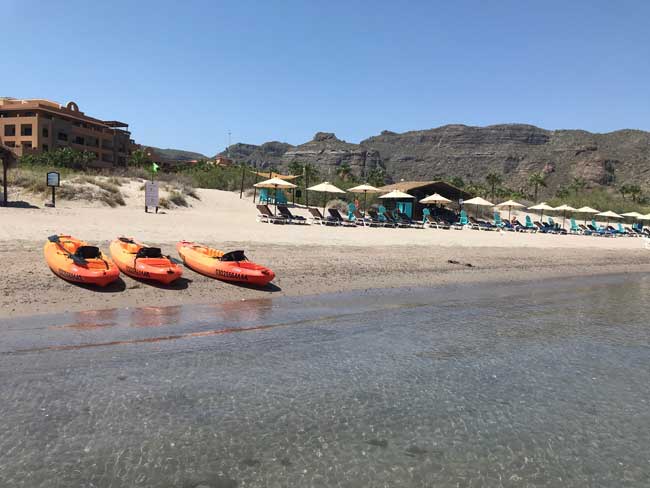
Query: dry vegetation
point(176, 190)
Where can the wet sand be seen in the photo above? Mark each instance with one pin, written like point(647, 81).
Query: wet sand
point(31, 288)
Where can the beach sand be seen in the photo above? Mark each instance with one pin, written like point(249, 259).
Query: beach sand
point(307, 259)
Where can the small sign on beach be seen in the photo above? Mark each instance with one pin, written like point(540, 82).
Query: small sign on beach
point(151, 195)
point(53, 179)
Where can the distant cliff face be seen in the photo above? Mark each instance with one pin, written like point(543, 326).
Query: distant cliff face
point(328, 153)
point(516, 151)
point(513, 150)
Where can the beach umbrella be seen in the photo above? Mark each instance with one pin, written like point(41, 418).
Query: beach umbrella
point(645, 217)
point(435, 198)
point(587, 210)
point(541, 206)
point(510, 204)
point(396, 195)
point(365, 189)
point(325, 187)
point(564, 209)
point(609, 215)
point(275, 183)
point(479, 202)
point(634, 215)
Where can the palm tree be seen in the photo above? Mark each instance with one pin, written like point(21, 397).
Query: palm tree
point(536, 180)
point(377, 177)
point(578, 184)
point(344, 172)
point(295, 168)
point(457, 181)
point(493, 179)
point(140, 158)
point(634, 191)
point(624, 190)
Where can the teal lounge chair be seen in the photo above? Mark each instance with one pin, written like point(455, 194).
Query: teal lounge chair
point(351, 211)
point(574, 229)
point(462, 220)
point(425, 213)
point(381, 211)
point(529, 224)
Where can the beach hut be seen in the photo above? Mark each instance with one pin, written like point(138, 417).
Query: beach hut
point(510, 204)
point(365, 189)
point(325, 188)
point(275, 183)
point(421, 189)
point(479, 202)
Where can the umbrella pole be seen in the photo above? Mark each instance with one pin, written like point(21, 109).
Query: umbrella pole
point(509, 212)
point(365, 196)
point(275, 200)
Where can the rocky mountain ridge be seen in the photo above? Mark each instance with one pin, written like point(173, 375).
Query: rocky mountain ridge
point(513, 150)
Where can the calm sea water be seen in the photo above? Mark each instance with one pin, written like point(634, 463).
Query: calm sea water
point(542, 384)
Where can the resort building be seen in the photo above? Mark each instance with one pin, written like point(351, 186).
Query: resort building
point(35, 126)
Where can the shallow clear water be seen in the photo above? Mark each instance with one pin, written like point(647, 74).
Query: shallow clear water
point(543, 384)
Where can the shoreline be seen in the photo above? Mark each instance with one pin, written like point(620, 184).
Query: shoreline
point(302, 270)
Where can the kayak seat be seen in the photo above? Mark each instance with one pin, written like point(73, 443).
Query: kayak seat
point(88, 252)
point(234, 256)
point(149, 252)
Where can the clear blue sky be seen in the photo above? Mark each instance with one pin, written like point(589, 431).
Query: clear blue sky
point(183, 73)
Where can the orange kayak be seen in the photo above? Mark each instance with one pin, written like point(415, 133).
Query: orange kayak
point(74, 260)
point(230, 266)
point(139, 261)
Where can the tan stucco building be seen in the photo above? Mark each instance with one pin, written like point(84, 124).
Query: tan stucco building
point(34, 126)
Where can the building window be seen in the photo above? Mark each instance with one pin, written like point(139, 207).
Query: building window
point(10, 143)
point(46, 132)
point(78, 140)
point(10, 130)
point(46, 148)
point(26, 129)
point(27, 144)
point(62, 136)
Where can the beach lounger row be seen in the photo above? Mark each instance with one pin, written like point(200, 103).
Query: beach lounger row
point(396, 219)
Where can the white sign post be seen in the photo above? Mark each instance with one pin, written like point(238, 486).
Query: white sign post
point(151, 195)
